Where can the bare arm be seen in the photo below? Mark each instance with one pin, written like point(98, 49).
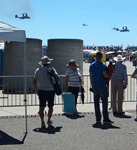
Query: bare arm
point(133, 75)
point(91, 78)
point(57, 78)
point(66, 83)
point(35, 84)
point(105, 74)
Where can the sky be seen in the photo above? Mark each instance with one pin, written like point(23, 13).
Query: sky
point(63, 19)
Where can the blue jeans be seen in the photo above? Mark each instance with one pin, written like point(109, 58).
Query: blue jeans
point(100, 92)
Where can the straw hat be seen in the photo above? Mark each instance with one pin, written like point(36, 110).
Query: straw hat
point(45, 60)
point(72, 61)
point(119, 58)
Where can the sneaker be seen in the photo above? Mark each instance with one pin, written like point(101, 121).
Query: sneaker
point(108, 121)
point(50, 122)
point(43, 125)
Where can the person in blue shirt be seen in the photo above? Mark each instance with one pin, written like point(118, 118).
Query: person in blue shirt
point(97, 71)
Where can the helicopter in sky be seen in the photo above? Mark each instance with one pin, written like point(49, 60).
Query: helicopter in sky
point(117, 29)
point(124, 29)
point(84, 24)
point(24, 16)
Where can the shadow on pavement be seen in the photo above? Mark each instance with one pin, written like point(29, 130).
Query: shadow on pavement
point(9, 140)
point(73, 116)
point(105, 126)
point(122, 116)
point(50, 129)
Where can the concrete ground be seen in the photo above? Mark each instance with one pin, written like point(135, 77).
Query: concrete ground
point(69, 132)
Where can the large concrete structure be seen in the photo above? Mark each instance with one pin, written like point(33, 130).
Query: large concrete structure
point(14, 63)
point(62, 50)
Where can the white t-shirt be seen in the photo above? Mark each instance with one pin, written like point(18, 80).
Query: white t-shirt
point(43, 79)
point(74, 77)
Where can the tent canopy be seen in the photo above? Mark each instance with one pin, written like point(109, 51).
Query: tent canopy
point(10, 33)
point(110, 53)
point(94, 53)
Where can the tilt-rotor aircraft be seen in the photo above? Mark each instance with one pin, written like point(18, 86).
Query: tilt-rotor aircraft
point(24, 16)
point(124, 29)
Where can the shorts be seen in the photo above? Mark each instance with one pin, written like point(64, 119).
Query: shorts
point(46, 96)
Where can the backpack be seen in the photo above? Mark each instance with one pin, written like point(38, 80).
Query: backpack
point(54, 81)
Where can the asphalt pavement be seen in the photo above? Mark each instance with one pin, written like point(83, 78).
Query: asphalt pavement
point(69, 132)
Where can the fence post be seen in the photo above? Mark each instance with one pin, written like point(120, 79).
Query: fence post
point(136, 104)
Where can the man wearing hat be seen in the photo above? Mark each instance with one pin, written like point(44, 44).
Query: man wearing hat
point(119, 82)
point(44, 89)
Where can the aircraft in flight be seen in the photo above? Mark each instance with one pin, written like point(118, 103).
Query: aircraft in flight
point(117, 29)
point(124, 29)
point(24, 16)
point(84, 24)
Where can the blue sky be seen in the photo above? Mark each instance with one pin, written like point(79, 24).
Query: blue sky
point(64, 18)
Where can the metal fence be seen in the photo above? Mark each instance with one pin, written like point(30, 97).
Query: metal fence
point(12, 91)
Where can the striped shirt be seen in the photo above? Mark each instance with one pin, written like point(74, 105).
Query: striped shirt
point(74, 76)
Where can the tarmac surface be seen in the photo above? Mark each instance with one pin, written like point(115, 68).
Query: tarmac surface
point(68, 132)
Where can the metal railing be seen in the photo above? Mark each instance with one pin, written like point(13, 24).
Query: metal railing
point(12, 91)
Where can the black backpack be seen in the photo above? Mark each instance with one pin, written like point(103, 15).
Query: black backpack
point(54, 82)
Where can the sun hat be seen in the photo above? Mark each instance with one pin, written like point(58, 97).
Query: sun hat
point(45, 60)
point(72, 61)
point(119, 58)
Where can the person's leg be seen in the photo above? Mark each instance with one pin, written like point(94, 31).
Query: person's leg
point(114, 93)
point(103, 94)
point(51, 95)
point(41, 113)
point(75, 91)
point(42, 105)
point(120, 96)
point(96, 104)
point(50, 111)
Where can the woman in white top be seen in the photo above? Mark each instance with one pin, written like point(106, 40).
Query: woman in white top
point(73, 79)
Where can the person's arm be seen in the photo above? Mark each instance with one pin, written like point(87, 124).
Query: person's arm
point(105, 74)
point(91, 78)
point(134, 74)
point(66, 83)
point(125, 76)
point(56, 74)
point(57, 78)
point(80, 75)
point(35, 84)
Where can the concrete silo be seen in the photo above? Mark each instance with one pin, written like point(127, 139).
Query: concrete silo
point(62, 50)
point(14, 63)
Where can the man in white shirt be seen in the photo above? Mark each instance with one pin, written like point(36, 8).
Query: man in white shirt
point(119, 82)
